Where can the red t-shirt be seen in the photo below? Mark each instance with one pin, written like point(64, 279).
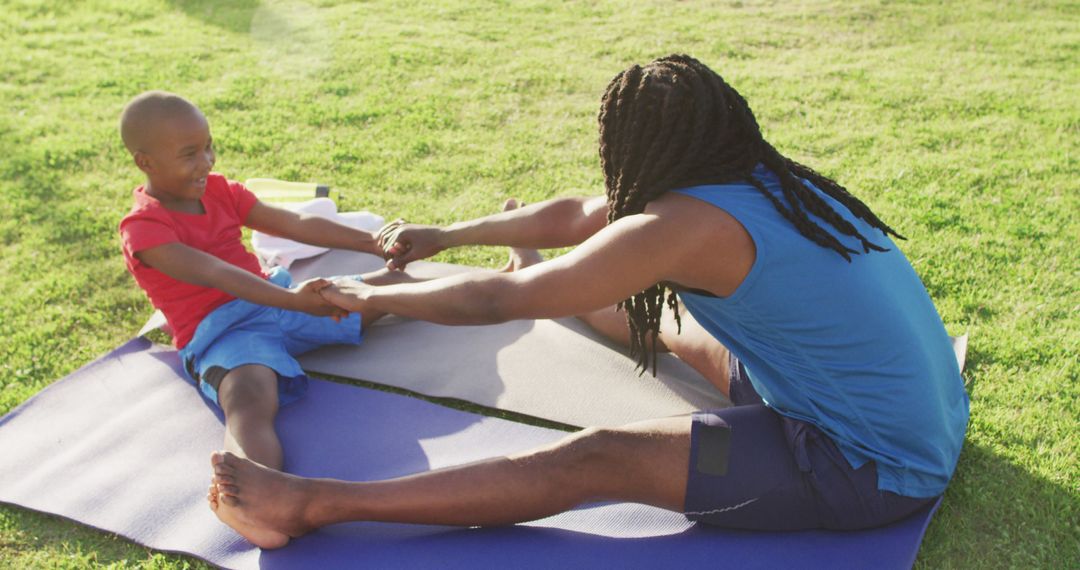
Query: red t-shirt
point(217, 232)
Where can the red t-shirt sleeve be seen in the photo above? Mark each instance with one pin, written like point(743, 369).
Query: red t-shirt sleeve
point(139, 234)
point(243, 200)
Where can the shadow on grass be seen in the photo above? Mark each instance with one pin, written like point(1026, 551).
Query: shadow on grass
point(994, 505)
point(234, 16)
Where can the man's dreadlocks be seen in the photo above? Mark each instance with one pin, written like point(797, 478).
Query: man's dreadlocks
point(675, 123)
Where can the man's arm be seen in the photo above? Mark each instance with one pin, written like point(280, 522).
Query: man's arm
point(674, 240)
point(620, 260)
point(559, 222)
point(190, 265)
point(310, 229)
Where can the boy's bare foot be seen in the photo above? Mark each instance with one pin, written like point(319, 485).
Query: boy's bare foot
point(520, 257)
point(263, 505)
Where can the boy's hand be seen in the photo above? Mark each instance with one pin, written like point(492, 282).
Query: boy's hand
point(403, 243)
point(348, 294)
point(306, 298)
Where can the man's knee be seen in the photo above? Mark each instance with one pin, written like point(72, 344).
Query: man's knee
point(600, 450)
point(582, 465)
point(624, 464)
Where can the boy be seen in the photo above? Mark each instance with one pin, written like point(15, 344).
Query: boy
point(237, 329)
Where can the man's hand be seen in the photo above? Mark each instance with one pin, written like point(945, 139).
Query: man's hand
point(403, 243)
point(307, 298)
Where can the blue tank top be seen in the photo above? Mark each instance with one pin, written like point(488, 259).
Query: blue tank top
point(857, 348)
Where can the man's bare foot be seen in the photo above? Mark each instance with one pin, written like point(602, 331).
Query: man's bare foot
point(263, 538)
point(520, 257)
point(265, 506)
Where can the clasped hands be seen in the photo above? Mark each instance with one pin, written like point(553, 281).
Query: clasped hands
point(401, 244)
point(334, 298)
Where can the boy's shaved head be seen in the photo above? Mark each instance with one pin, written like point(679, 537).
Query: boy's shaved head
point(144, 112)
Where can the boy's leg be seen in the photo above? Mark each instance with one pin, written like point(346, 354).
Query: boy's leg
point(248, 395)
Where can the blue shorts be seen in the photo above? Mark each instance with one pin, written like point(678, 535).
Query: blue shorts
point(239, 333)
point(752, 468)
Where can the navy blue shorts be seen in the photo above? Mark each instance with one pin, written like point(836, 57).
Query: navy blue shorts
point(752, 468)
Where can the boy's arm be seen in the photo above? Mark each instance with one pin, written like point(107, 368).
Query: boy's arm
point(199, 268)
point(310, 229)
point(559, 222)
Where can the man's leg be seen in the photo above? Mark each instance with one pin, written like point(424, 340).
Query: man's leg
point(692, 344)
point(388, 277)
point(518, 259)
point(645, 462)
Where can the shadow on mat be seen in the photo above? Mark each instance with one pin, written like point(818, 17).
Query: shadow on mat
point(352, 433)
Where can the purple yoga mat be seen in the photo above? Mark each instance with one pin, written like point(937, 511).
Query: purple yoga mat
point(123, 445)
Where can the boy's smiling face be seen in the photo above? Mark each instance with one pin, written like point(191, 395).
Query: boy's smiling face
point(178, 156)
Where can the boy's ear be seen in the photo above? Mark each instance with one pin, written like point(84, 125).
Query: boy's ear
point(142, 160)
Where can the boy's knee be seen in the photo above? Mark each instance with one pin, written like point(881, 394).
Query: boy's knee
point(252, 387)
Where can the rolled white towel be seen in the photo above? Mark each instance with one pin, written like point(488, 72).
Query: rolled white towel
point(278, 251)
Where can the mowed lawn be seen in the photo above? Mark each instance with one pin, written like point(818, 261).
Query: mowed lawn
point(957, 122)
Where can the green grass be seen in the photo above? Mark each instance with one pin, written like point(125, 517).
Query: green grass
point(956, 121)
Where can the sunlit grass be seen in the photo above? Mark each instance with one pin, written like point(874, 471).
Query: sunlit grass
point(957, 122)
